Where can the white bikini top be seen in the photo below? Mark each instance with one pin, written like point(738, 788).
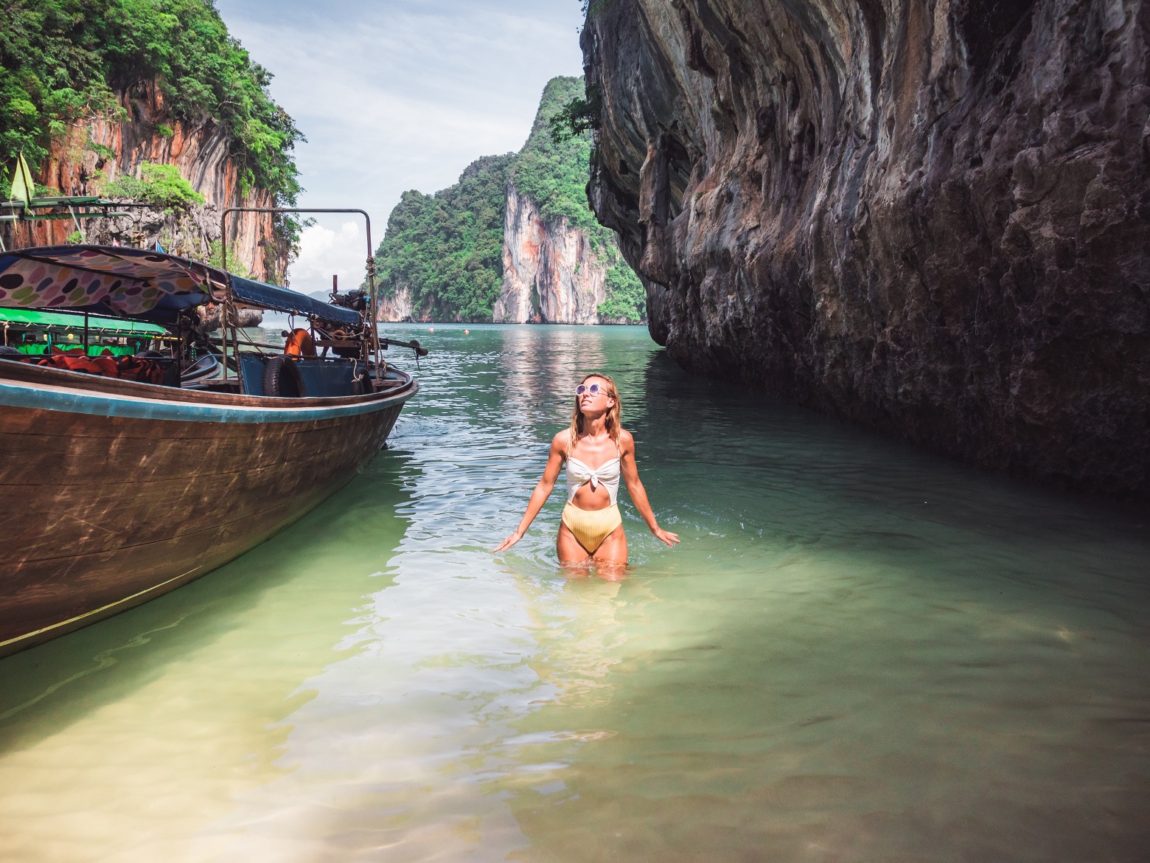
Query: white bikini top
point(579, 474)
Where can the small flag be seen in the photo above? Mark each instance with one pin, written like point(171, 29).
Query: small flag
point(22, 182)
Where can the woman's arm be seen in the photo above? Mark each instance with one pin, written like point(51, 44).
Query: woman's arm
point(638, 493)
point(542, 489)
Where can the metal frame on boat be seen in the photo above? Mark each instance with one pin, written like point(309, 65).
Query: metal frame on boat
point(125, 477)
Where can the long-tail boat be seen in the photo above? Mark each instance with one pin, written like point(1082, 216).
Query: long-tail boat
point(124, 474)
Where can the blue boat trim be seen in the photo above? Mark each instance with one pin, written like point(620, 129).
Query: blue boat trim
point(99, 404)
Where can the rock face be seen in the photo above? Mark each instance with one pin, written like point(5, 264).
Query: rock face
point(399, 307)
point(79, 165)
point(551, 274)
point(929, 217)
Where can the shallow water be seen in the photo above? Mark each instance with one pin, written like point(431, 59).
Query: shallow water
point(859, 653)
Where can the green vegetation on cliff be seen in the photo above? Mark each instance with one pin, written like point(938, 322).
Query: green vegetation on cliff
point(552, 171)
point(626, 296)
point(62, 60)
point(447, 248)
point(159, 185)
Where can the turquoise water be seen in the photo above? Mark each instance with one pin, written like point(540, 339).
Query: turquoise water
point(860, 652)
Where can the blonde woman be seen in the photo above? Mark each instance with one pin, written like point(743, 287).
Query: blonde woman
point(597, 451)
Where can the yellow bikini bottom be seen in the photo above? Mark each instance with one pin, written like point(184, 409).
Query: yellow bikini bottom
point(591, 526)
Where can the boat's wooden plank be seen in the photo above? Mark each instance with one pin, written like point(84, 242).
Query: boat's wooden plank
point(113, 510)
point(51, 595)
point(81, 520)
point(50, 376)
point(185, 449)
point(67, 511)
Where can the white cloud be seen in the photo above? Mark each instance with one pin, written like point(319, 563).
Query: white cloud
point(325, 252)
point(401, 94)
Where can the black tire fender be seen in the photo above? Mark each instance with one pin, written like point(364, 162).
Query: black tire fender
point(281, 378)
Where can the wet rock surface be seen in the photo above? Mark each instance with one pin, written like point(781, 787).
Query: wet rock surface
point(930, 218)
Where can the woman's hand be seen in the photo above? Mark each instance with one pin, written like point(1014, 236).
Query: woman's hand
point(511, 540)
point(671, 539)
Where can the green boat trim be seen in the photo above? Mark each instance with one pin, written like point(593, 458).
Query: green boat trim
point(35, 318)
point(33, 331)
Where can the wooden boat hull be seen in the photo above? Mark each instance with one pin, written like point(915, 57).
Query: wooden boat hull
point(115, 492)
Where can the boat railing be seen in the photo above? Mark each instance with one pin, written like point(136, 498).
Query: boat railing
point(370, 348)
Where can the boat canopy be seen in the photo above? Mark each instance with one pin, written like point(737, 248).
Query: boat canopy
point(132, 282)
point(265, 296)
point(125, 281)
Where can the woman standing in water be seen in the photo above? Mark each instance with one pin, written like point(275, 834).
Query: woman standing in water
point(598, 451)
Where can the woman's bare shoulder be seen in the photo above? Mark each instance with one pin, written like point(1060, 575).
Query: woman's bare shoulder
point(626, 440)
point(561, 440)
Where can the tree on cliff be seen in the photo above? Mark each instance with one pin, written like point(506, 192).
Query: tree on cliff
point(551, 170)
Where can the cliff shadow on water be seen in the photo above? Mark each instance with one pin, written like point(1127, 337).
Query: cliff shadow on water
point(803, 461)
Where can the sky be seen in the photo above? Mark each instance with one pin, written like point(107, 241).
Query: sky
point(395, 95)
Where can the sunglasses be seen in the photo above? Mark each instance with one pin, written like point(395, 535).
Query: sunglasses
point(594, 389)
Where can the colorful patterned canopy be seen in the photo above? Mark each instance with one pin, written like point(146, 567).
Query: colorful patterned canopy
point(133, 282)
point(127, 281)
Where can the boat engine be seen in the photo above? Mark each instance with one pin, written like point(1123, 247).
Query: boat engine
point(355, 300)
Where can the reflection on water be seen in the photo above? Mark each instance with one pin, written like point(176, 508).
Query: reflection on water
point(859, 652)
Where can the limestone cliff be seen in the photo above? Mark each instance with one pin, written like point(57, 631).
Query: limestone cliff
point(929, 216)
point(513, 241)
point(398, 306)
point(98, 149)
point(550, 272)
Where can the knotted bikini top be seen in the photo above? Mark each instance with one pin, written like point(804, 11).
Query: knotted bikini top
point(579, 474)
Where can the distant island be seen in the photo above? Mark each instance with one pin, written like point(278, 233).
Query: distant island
point(513, 241)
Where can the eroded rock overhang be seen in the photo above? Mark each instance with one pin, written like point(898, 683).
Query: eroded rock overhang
point(929, 217)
